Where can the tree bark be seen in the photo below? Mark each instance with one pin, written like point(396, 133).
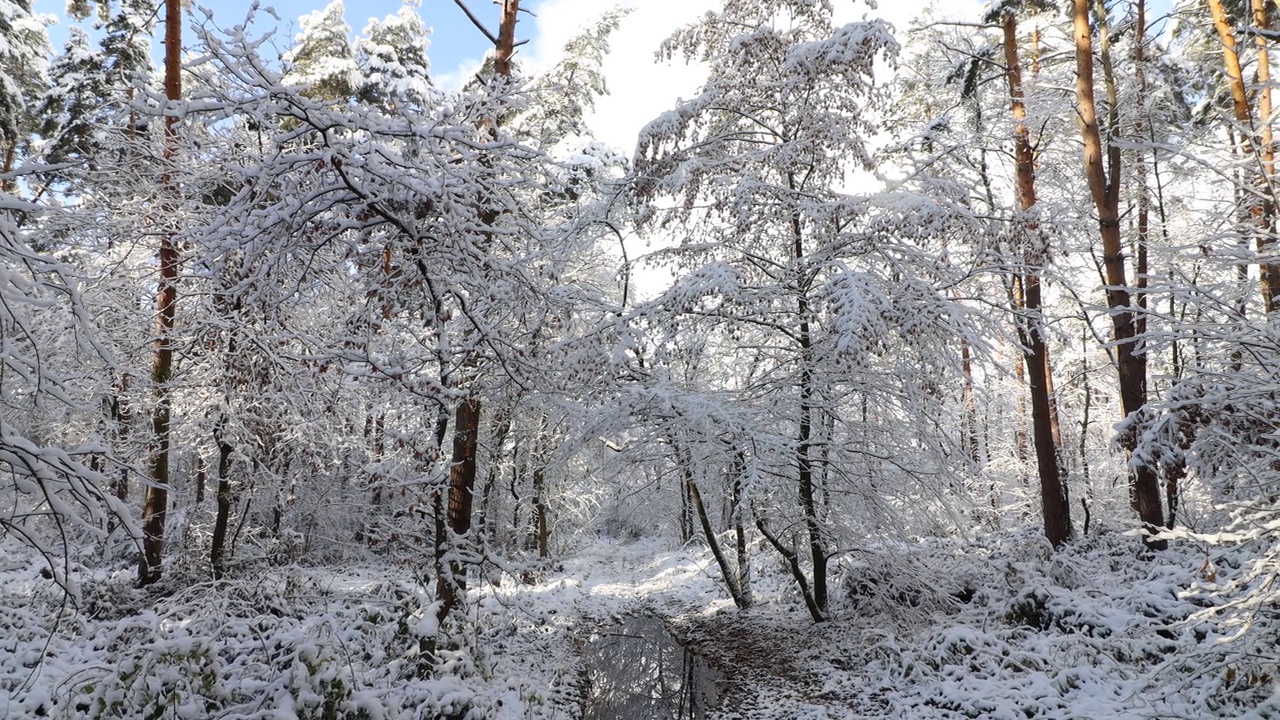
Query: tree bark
point(10, 157)
point(505, 47)
point(223, 499)
point(541, 515)
point(1268, 270)
point(1046, 435)
point(501, 431)
point(1171, 469)
point(462, 482)
point(740, 509)
point(1021, 435)
point(462, 476)
point(797, 572)
point(1104, 189)
point(155, 505)
point(121, 416)
point(804, 435)
point(1256, 144)
point(740, 599)
point(970, 430)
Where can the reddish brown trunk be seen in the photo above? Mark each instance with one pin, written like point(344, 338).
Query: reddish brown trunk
point(1253, 145)
point(506, 46)
point(1105, 192)
point(1231, 60)
point(156, 503)
point(1045, 431)
point(462, 483)
point(1268, 272)
point(462, 475)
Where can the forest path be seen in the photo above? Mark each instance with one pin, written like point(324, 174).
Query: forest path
point(773, 662)
point(643, 577)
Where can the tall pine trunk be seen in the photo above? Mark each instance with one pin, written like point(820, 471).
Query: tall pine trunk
point(462, 482)
point(462, 477)
point(1104, 189)
point(1256, 144)
point(1046, 435)
point(155, 505)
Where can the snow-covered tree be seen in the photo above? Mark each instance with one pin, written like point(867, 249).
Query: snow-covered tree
point(91, 99)
point(322, 58)
point(23, 62)
point(392, 55)
point(814, 284)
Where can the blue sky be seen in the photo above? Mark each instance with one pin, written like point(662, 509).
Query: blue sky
point(455, 42)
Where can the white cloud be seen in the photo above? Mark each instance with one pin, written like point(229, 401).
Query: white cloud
point(458, 76)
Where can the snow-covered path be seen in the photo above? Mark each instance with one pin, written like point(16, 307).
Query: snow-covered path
point(774, 661)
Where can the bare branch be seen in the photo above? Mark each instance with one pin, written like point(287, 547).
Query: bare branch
point(476, 21)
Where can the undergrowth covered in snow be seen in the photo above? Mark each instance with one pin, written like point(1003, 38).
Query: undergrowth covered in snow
point(998, 628)
point(1101, 629)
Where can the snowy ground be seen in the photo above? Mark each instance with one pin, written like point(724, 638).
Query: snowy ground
point(1001, 629)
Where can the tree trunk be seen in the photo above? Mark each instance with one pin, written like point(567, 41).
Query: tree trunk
point(541, 515)
point(462, 483)
point(122, 422)
point(445, 589)
point(1268, 270)
point(462, 475)
point(202, 478)
point(1171, 469)
point(223, 499)
point(1046, 434)
point(155, 505)
point(10, 157)
point(740, 509)
point(797, 572)
point(804, 435)
point(1086, 410)
point(970, 430)
point(505, 47)
point(501, 431)
point(1104, 188)
point(686, 513)
point(740, 599)
point(379, 432)
point(1021, 442)
point(1256, 148)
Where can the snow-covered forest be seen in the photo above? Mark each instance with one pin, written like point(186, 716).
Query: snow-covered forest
point(914, 371)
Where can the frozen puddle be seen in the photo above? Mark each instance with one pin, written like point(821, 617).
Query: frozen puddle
point(636, 669)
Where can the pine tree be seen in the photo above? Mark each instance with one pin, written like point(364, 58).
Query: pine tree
point(322, 58)
point(24, 47)
point(94, 91)
point(392, 55)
